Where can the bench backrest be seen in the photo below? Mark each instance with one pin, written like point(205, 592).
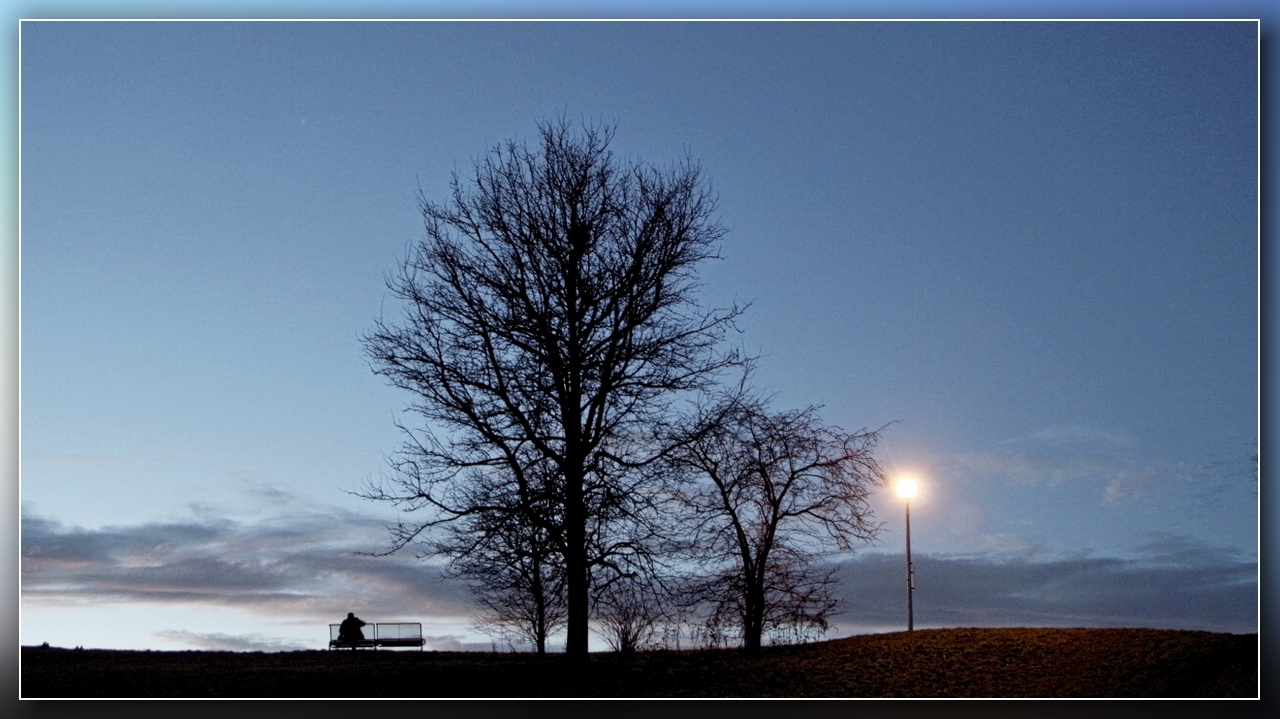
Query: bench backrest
point(399, 630)
point(385, 631)
point(334, 629)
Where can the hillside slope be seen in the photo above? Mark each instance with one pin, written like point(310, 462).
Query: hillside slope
point(927, 663)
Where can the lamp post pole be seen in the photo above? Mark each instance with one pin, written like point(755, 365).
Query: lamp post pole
point(906, 490)
point(911, 577)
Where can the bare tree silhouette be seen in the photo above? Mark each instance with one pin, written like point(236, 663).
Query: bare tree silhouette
point(770, 494)
point(630, 613)
point(508, 555)
point(550, 314)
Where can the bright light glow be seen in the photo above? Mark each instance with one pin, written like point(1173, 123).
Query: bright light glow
point(907, 488)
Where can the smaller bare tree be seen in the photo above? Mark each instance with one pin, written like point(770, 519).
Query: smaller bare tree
point(519, 588)
point(629, 613)
point(509, 555)
point(770, 495)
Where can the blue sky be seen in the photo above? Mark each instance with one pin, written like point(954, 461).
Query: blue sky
point(1031, 246)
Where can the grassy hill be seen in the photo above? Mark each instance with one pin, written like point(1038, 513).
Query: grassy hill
point(926, 663)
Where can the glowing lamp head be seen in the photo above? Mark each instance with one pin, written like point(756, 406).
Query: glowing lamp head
point(907, 488)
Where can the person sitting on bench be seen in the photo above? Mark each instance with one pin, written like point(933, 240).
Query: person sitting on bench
point(349, 632)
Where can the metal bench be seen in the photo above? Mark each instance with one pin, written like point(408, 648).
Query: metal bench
point(384, 635)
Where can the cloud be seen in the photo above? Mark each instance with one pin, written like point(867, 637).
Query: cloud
point(1128, 482)
point(230, 642)
point(1036, 466)
point(1089, 436)
point(304, 564)
point(458, 643)
point(1170, 582)
point(1064, 454)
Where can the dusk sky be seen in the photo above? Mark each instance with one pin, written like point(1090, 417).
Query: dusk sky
point(1028, 251)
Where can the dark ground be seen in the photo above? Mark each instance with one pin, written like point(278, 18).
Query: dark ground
point(928, 663)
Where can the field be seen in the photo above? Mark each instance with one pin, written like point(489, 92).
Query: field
point(927, 663)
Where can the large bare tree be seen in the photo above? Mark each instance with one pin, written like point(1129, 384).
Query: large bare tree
point(550, 313)
point(770, 495)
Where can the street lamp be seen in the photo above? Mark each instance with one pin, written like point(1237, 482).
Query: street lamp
point(907, 489)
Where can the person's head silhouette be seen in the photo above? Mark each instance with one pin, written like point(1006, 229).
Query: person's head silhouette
point(350, 615)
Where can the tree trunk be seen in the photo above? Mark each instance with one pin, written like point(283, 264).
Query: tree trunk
point(540, 610)
point(575, 566)
point(753, 622)
point(574, 468)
